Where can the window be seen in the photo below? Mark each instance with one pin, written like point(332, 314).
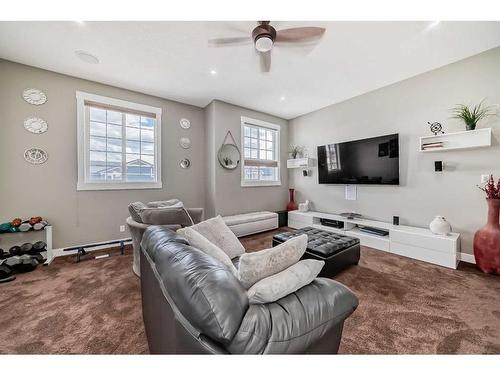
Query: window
point(118, 144)
point(261, 153)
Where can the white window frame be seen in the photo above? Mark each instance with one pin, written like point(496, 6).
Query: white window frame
point(84, 182)
point(262, 124)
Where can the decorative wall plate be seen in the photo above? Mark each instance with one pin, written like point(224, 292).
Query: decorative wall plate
point(35, 156)
point(185, 123)
point(185, 163)
point(185, 142)
point(35, 125)
point(34, 96)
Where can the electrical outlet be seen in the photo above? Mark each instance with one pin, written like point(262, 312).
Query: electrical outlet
point(122, 228)
point(484, 178)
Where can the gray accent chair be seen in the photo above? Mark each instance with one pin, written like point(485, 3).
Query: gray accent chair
point(192, 304)
point(172, 220)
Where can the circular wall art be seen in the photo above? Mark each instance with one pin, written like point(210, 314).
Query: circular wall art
point(185, 142)
point(34, 96)
point(185, 163)
point(35, 125)
point(185, 123)
point(35, 156)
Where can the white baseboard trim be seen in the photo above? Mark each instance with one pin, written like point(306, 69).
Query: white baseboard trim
point(61, 253)
point(468, 258)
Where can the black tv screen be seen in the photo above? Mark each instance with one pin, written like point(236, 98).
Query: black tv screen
point(373, 161)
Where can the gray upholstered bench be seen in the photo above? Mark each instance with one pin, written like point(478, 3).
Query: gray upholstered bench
point(253, 222)
point(338, 251)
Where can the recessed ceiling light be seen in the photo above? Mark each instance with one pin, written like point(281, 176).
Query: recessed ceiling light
point(87, 57)
point(213, 72)
point(282, 98)
point(80, 22)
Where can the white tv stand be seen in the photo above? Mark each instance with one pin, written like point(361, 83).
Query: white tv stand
point(412, 242)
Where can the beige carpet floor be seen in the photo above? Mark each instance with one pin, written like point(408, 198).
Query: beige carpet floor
point(406, 306)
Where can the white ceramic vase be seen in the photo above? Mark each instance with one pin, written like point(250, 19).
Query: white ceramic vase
point(440, 226)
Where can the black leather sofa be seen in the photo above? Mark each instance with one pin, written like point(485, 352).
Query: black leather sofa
point(193, 304)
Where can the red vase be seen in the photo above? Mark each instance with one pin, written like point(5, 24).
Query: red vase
point(291, 206)
point(487, 241)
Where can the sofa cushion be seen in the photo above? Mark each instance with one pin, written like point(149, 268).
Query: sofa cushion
point(203, 290)
point(167, 203)
point(293, 323)
point(249, 217)
point(217, 232)
point(165, 216)
point(195, 239)
point(260, 264)
point(277, 286)
point(135, 210)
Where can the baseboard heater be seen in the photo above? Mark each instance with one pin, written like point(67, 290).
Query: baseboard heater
point(81, 249)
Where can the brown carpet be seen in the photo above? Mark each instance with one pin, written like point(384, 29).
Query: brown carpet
point(406, 306)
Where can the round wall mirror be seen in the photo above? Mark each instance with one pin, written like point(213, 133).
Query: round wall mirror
point(229, 156)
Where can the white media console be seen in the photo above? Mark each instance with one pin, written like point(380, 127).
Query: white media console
point(412, 242)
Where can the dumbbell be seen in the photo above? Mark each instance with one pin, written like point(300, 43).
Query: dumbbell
point(39, 246)
point(26, 247)
point(15, 250)
point(6, 273)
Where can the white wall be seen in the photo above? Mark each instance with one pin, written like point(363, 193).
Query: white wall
point(405, 108)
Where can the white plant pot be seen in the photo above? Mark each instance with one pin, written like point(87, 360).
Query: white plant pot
point(440, 226)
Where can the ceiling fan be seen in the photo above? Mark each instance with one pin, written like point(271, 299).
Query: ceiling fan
point(265, 37)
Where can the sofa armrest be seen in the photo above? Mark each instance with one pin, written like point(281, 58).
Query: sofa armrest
point(296, 322)
point(196, 214)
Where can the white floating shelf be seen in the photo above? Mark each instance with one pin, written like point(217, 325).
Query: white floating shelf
point(299, 163)
point(459, 140)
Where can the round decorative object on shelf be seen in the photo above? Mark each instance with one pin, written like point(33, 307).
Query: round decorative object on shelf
point(35, 125)
point(34, 96)
point(436, 128)
point(440, 226)
point(185, 142)
point(35, 156)
point(185, 163)
point(185, 123)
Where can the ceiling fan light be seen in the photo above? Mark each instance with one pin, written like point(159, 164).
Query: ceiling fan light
point(264, 43)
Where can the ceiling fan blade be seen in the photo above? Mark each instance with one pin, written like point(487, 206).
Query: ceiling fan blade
point(222, 42)
point(299, 34)
point(265, 61)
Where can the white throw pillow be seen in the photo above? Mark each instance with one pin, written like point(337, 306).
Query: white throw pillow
point(261, 264)
point(217, 232)
point(280, 285)
point(198, 241)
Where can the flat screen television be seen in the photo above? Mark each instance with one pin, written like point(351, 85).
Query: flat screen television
point(370, 161)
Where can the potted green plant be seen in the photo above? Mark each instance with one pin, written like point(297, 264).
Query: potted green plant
point(296, 151)
point(471, 115)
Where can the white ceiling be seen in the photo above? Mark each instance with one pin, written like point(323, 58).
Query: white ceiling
point(173, 60)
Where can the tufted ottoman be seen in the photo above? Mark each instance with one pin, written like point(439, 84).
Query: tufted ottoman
point(338, 251)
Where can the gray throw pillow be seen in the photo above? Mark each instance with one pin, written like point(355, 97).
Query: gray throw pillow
point(135, 210)
point(280, 285)
point(196, 240)
point(167, 203)
point(165, 216)
point(216, 231)
point(261, 264)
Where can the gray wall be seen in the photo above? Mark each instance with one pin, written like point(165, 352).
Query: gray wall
point(225, 195)
point(405, 108)
point(49, 190)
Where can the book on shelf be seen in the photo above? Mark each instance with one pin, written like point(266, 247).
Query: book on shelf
point(432, 145)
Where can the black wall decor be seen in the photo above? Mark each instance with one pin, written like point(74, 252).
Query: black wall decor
point(436, 127)
point(438, 166)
